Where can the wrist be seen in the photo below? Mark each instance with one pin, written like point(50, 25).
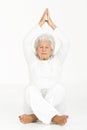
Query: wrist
point(53, 26)
point(40, 24)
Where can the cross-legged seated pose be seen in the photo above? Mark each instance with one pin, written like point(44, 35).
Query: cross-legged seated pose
point(44, 96)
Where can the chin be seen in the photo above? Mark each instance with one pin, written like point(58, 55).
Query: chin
point(45, 58)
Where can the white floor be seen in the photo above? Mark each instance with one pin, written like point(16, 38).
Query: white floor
point(11, 107)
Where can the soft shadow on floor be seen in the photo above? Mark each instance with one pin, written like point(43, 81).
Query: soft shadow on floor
point(40, 126)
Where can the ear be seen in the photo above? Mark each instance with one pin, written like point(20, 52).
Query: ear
point(52, 51)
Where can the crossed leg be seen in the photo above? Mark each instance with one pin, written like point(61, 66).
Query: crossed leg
point(44, 108)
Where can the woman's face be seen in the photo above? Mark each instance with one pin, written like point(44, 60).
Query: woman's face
point(44, 50)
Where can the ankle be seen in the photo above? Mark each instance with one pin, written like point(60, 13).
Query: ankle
point(33, 117)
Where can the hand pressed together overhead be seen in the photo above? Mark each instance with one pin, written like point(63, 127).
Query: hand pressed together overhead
point(46, 18)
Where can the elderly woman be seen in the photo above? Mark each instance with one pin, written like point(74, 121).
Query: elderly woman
point(44, 97)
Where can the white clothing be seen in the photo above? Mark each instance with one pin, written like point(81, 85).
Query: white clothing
point(45, 103)
point(44, 94)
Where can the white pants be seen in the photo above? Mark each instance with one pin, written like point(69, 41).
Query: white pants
point(45, 103)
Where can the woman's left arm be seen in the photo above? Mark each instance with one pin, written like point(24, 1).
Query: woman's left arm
point(59, 36)
point(64, 44)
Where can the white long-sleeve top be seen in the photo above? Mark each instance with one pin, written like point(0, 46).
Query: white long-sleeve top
point(45, 73)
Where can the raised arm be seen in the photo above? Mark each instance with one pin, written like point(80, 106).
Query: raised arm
point(59, 37)
point(64, 44)
point(28, 43)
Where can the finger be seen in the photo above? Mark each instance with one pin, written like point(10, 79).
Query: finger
point(47, 9)
point(48, 17)
point(45, 12)
point(48, 13)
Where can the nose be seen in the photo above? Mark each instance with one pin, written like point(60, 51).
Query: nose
point(43, 49)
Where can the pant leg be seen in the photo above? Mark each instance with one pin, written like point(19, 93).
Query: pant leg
point(27, 106)
point(56, 97)
point(40, 107)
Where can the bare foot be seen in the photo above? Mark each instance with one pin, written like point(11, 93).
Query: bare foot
point(27, 118)
point(61, 120)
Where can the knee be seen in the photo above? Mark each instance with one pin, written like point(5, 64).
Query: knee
point(60, 89)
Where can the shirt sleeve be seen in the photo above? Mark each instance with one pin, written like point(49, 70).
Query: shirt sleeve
point(28, 43)
point(64, 44)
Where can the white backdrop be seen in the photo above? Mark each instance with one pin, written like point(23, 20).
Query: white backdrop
point(17, 17)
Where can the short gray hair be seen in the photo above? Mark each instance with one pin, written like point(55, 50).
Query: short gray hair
point(44, 37)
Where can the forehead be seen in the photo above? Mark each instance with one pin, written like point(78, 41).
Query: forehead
point(44, 42)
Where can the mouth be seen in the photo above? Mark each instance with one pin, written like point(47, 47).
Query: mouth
point(44, 53)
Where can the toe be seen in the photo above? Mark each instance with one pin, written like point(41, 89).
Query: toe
point(19, 116)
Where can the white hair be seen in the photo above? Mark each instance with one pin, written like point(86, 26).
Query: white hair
point(44, 37)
